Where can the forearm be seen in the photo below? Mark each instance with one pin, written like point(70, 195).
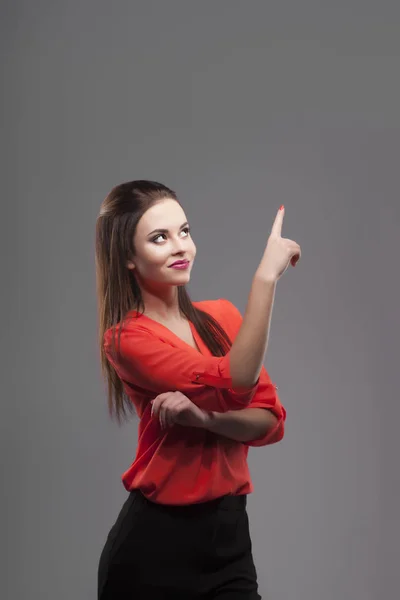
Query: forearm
point(241, 425)
point(249, 347)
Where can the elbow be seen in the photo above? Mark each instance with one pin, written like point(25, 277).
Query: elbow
point(240, 396)
point(277, 434)
point(280, 433)
point(244, 384)
point(237, 399)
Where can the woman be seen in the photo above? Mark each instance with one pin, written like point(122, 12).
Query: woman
point(194, 374)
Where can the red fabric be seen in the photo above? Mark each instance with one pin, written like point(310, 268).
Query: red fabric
point(186, 465)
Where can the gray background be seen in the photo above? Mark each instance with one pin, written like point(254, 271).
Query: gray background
point(239, 106)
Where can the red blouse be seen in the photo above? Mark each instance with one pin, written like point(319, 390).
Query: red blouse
point(185, 465)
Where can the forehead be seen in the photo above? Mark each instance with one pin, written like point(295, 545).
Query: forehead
point(166, 214)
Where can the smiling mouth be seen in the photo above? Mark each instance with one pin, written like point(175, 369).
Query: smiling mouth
point(180, 263)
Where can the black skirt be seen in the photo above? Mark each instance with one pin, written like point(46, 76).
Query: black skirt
point(194, 552)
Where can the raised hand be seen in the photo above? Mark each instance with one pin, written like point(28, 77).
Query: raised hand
point(279, 251)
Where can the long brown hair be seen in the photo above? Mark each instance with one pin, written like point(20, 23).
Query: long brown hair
point(117, 289)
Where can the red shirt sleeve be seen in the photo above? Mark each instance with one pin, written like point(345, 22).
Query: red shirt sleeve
point(154, 365)
point(267, 397)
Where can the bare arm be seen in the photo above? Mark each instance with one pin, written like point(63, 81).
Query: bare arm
point(242, 425)
point(248, 349)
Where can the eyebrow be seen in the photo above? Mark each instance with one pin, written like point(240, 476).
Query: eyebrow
point(166, 230)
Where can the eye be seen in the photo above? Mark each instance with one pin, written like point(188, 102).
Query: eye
point(158, 236)
point(186, 229)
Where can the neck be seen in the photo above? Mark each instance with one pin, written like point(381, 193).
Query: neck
point(162, 306)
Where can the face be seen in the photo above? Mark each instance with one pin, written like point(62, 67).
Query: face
point(162, 237)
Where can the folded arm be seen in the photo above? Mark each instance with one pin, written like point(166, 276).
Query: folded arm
point(260, 424)
point(254, 426)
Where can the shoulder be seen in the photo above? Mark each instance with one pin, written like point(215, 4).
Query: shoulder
point(132, 323)
point(223, 310)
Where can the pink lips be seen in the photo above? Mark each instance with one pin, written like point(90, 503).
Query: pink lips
point(180, 264)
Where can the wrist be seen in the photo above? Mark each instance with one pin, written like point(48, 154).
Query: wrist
point(265, 278)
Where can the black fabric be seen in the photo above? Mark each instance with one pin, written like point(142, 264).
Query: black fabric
point(194, 552)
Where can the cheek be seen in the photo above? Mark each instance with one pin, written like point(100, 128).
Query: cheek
point(157, 256)
point(150, 261)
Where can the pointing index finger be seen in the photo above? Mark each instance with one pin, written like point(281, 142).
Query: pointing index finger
point(277, 226)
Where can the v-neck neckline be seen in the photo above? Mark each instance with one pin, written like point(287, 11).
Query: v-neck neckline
point(196, 337)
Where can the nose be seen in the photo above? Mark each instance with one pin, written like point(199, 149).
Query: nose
point(178, 245)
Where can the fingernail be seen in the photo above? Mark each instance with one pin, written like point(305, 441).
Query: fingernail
point(282, 207)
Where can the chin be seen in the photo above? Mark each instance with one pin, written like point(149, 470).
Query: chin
point(181, 279)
